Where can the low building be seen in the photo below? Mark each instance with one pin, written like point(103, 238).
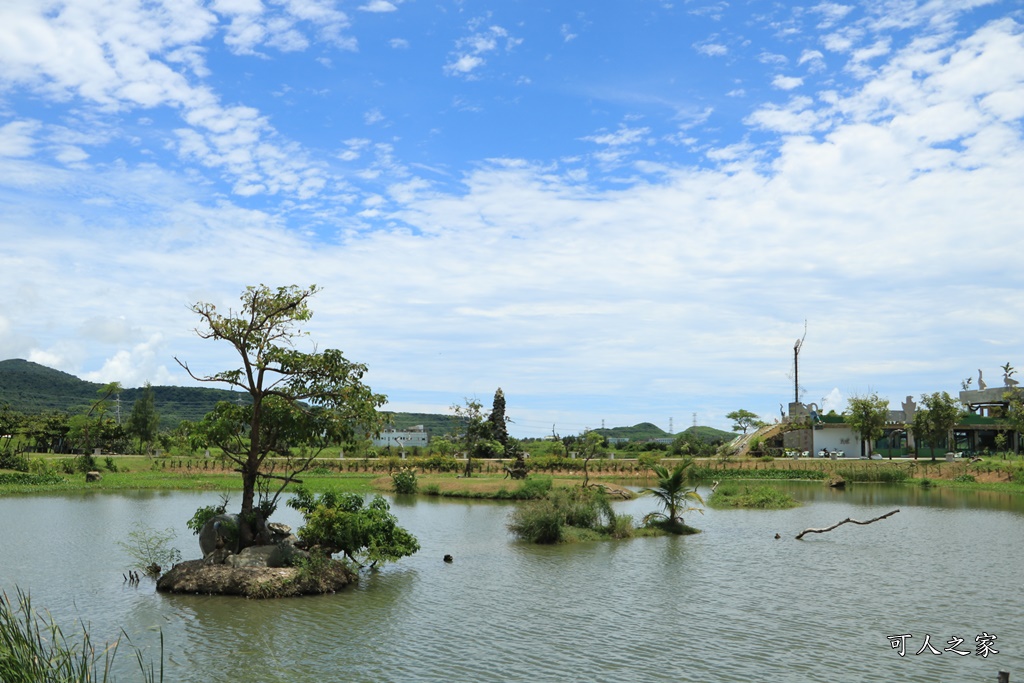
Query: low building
point(406, 438)
point(976, 432)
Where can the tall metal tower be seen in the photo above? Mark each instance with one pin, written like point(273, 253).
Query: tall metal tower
point(796, 365)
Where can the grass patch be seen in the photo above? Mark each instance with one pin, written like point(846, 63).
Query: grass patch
point(569, 515)
point(707, 473)
point(494, 487)
point(660, 527)
point(759, 497)
point(136, 473)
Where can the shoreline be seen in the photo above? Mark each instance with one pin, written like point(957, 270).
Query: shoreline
point(369, 475)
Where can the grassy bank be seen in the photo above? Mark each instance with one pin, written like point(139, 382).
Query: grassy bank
point(440, 476)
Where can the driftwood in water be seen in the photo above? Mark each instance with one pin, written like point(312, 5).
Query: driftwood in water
point(854, 521)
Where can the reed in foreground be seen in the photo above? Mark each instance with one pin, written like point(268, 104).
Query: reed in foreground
point(34, 649)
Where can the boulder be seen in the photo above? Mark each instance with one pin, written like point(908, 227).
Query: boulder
point(195, 576)
point(277, 555)
point(218, 556)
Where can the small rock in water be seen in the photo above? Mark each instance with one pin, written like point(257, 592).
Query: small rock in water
point(448, 558)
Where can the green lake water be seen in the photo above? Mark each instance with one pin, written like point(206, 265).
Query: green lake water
point(730, 604)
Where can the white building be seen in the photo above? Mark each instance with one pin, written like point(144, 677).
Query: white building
point(409, 438)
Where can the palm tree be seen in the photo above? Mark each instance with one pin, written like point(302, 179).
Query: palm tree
point(673, 494)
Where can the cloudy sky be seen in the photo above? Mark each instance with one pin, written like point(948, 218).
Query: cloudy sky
point(616, 211)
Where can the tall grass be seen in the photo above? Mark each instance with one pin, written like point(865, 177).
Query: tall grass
point(758, 496)
point(889, 475)
point(549, 519)
point(34, 649)
point(706, 473)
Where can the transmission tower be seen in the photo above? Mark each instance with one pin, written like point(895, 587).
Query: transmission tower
point(670, 425)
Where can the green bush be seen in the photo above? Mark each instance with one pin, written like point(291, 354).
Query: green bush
point(26, 479)
point(41, 466)
point(622, 526)
point(109, 462)
point(889, 475)
point(965, 478)
point(404, 480)
point(547, 520)
point(539, 522)
point(647, 461)
point(14, 461)
point(206, 513)
point(340, 523)
point(85, 463)
point(707, 473)
point(437, 463)
point(151, 549)
point(534, 487)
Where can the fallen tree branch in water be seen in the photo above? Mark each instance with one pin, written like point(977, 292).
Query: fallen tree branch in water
point(821, 531)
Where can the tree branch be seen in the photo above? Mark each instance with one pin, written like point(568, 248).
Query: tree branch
point(854, 521)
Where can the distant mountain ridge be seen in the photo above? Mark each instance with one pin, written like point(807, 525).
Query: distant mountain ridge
point(645, 431)
point(32, 388)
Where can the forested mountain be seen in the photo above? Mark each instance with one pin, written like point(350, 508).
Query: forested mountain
point(436, 425)
point(32, 389)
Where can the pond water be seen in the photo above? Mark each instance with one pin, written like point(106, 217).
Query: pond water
point(730, 604)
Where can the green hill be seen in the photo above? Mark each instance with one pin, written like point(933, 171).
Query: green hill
point(645, 431)
point(711, 435)
point(31, 388)
point(436, 425)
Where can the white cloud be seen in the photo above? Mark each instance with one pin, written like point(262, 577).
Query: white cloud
point(620, 137)
point(82, 52)
point(18, 138)
point(135, 366)
point(787, 82)
point(831, 13)
point(469, 52)
point(772, 58)
point(814, 59)
point(463, 64)
point(378, 6)
point(834, 208)
point(711, 49)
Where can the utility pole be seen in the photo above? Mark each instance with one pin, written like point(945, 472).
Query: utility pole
point(796, 365)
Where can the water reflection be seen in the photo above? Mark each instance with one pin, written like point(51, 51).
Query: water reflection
point(730, 604)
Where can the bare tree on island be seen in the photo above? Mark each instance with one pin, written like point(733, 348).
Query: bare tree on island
point(299, 401)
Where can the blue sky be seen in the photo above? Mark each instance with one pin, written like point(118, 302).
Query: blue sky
point(616, 211)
